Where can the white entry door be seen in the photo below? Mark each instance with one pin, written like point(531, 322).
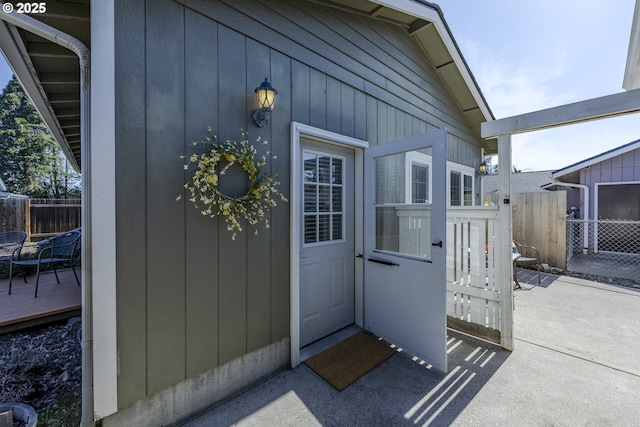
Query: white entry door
point(404, 268)
point(327, 252)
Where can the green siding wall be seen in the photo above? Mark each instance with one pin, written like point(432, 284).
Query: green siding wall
point(190, 298)
point(131, 160)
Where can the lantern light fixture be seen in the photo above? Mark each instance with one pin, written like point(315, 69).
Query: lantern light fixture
point(483, 169)
point(266, 95)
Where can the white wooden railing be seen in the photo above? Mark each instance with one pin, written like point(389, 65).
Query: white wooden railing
point(473, 291)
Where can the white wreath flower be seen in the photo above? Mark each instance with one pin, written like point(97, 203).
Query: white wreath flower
point(211, 165)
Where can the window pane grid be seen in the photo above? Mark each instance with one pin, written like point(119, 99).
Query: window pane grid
point(468, 190)
point(323, 198)
point(419, 183)
point(454, 189)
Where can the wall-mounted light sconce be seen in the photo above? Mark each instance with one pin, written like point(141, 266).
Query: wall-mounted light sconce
point(483, 169)
point(266, 95)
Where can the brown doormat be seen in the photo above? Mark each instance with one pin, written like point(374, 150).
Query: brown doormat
point(347, 361)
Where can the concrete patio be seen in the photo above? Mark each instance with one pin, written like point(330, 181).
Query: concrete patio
point(576, 363)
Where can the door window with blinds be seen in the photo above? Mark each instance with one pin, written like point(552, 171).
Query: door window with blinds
point(324, 194)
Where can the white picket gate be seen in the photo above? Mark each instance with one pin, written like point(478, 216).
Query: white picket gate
point(473, 293)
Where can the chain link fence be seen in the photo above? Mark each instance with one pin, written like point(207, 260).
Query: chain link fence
point(605, 248)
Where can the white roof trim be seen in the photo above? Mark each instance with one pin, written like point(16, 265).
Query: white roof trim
point(596, 159)
point(632, 70)
point(424, 11)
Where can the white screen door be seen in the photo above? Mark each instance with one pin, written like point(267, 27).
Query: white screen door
point(404, 268)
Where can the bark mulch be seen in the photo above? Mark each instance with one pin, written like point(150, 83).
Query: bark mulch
point(42, 367)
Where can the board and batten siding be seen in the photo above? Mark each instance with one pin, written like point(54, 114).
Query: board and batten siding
point(189, 298)
point(622, 168)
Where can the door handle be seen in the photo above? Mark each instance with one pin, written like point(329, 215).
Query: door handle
point(438, 243)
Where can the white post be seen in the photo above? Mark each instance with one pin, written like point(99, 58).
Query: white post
point(504, 273)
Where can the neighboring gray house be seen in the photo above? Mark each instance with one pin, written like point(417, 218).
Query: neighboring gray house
point(176, 315)
point(605, 186)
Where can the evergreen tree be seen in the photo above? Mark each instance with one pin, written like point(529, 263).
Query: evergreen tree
point(31, 162)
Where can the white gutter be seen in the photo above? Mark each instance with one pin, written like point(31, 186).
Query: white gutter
point(65, 40)
point(585, 211)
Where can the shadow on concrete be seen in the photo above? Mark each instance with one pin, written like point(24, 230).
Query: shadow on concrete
point(403, 390)
point(529, 278)
point(575, 364)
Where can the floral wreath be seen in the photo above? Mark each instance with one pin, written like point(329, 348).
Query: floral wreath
point(211, 165)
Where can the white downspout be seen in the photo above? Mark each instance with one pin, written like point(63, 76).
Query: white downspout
point(585, 211)
point(65, 40)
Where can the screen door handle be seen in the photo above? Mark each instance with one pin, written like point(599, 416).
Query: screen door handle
point(381, 261)
point(438, 243)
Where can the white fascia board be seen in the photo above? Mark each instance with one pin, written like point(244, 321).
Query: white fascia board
point(423, 11)
point(632, 70)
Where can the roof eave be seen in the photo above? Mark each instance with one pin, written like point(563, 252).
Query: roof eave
point(430, 12)
point(18, 59)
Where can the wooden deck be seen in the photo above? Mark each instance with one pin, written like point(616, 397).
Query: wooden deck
point(55, 301)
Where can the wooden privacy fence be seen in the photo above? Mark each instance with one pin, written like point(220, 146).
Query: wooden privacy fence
point(12, 214)
point(39, 218)
point(539, 219)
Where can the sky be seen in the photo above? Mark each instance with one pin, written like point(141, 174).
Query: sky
point(5, 72)
point(528, 55)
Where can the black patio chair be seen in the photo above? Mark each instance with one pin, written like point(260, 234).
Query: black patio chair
point(11, 243)
point(60, 249)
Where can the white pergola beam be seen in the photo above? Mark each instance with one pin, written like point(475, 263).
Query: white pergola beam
point(632, 69)
point(598, 108)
